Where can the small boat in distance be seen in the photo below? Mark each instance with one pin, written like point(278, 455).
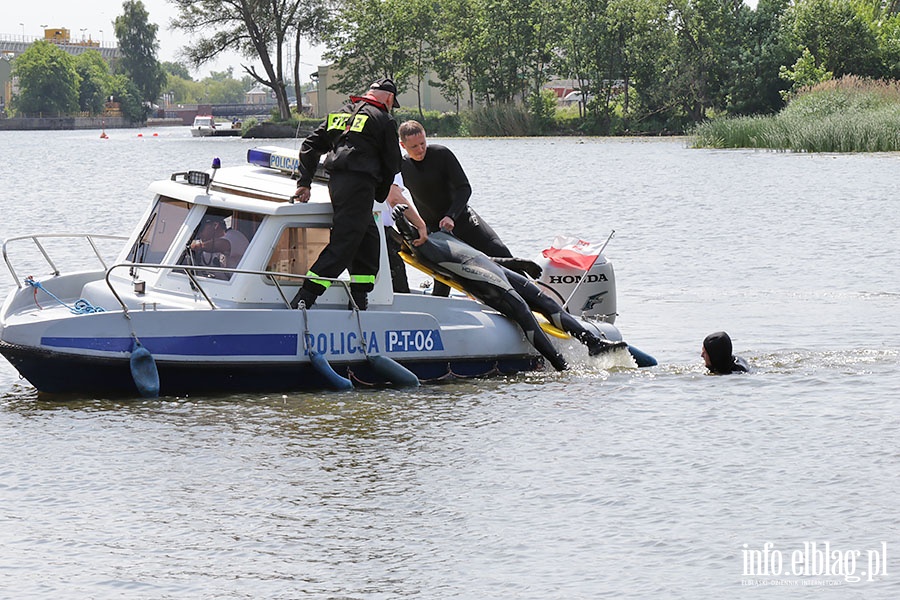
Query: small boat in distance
point(184, 311)
point(206, 126)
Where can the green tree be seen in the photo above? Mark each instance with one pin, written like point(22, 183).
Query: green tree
point(754, 85)
point(138, 47)
point(95, 81)
point(312, 26)
point(592, 53)
point(804, 73)
point(510, 36)
point(889, 45)
point(837, 35)
point(647, 38)
point(421, 30)
point(453, 59)
point(660, 64)
point(705, 31)
point(373, 39)
point(184, 91)
point(177, 69)
point(48, 80)
point(221, 90)
point(124, 91)
point(253, 28)
point(501, 49)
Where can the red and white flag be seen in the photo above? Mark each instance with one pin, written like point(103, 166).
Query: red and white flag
point(573, 252)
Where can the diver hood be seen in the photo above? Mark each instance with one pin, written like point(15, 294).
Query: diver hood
point(718, 348)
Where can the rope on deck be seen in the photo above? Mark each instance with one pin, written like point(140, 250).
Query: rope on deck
point(81, 306)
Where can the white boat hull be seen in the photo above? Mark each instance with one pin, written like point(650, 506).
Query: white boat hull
point(200, 349)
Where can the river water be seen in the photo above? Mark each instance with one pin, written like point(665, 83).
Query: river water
point(599, 482)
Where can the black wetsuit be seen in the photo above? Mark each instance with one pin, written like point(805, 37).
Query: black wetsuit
point(440, 188)
point(502, 289)
point(363, 157)
point(718, 347)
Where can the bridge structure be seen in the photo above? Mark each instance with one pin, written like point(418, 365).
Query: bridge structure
point(17, 44)
point(187, 112)
point(242, 110)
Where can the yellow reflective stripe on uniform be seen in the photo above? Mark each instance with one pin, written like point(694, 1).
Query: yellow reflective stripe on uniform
point(362, 279)
point(358, 123)
point(339, 121)
point(322, 282)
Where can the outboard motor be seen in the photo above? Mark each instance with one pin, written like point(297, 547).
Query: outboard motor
point(594, 298)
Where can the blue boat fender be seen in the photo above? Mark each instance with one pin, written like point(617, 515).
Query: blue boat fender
point(321, 365)
point(319, 362)
point(144, 372)
point(393, 371)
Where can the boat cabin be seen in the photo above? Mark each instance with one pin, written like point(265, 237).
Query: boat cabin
point(250, 207)
point(201, 121)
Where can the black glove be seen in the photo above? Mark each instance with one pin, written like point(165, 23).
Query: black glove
point(520, 265)
point(403, 225)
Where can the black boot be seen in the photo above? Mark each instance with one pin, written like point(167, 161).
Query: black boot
point(597, 345)
point(305, 296)
point(360, 297)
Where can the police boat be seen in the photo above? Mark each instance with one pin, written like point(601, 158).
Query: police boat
point(172, 314)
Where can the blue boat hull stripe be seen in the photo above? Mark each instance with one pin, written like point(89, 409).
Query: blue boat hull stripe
point(251, 344)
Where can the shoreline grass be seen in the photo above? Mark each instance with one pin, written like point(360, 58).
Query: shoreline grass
point(845, 115)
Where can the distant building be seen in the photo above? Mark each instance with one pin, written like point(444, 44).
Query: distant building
point(258, 95)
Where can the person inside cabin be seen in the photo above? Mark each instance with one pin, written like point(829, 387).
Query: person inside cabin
point(441, 191)
point(362, 156)
point(218, 246)
point(718, 357)
point(398, 267)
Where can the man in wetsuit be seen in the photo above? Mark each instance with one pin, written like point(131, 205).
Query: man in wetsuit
point(363, 154)
point(441, 191)
point(718, 357)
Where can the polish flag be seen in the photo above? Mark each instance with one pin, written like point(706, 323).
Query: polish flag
point(572, 252)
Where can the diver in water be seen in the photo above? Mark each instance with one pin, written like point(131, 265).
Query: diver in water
point(496, 282)
point(717, 354)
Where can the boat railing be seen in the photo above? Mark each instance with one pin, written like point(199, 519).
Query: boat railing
point(191, 272)
point(37, 238)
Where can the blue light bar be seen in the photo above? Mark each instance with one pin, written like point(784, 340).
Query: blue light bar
point(282, 159)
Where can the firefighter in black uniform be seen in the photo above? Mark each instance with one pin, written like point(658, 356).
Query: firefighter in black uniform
point(363, 154)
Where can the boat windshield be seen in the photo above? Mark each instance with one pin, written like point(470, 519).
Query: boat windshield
point(159, 231)
point(220, 240)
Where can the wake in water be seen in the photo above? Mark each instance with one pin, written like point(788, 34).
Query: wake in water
point(582, 364)
point(853, 361)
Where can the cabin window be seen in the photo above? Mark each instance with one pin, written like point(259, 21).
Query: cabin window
point(160, 230)
point(221, 240)
point(297, 249)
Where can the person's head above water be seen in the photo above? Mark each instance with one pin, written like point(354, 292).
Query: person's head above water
point(717, 353)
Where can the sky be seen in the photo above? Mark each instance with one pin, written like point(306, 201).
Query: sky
point(95, 17)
